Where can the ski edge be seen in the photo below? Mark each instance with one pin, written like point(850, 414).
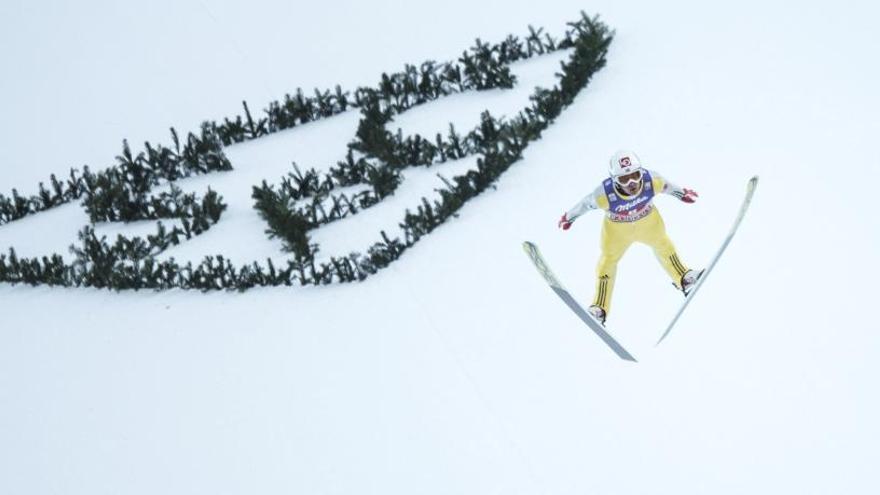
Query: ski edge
point(537, 259)
point(750, 192)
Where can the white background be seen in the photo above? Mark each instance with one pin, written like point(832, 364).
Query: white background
point(456, 370)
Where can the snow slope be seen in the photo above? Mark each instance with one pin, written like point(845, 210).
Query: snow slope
point(456, 370)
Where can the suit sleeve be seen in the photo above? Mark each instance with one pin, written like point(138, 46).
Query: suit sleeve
point(661, 185)
point(596, 200)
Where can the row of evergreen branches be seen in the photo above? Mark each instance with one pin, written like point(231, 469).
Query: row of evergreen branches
point(375, 158)
point(481, 67)
point(128, 263)
point(319, 204)
point(500, 144)
point(121, 192)
point(382, 154)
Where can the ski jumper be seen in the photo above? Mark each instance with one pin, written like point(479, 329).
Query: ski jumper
point(630, 219)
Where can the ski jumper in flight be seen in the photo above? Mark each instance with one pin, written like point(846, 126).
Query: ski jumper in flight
point(627, 196)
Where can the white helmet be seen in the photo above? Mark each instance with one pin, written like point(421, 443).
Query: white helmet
point(622, 163)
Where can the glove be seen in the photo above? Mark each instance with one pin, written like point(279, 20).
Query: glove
point(689, 196)
point(564, 222)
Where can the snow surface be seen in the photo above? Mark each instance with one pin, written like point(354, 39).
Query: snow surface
point(456, 370)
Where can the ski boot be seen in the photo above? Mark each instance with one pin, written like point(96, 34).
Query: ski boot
point(689, 280)
point(598, 313)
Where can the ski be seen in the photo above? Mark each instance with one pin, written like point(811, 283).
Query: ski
point(750, 191)
point(538, 260)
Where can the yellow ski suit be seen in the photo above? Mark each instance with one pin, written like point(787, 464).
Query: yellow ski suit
point(630, 219)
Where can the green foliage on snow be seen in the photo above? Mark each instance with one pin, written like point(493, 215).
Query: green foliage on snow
point(303, 201)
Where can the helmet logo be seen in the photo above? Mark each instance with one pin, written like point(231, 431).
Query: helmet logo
point(624, 162)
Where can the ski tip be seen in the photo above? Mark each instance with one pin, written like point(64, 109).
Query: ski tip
point(663, 337)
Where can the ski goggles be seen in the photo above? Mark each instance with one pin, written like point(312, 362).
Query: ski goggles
point(626, 179)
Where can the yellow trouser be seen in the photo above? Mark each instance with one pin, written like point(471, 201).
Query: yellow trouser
point(616, 239)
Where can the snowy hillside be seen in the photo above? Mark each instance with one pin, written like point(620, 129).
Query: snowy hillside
point(456, 370)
